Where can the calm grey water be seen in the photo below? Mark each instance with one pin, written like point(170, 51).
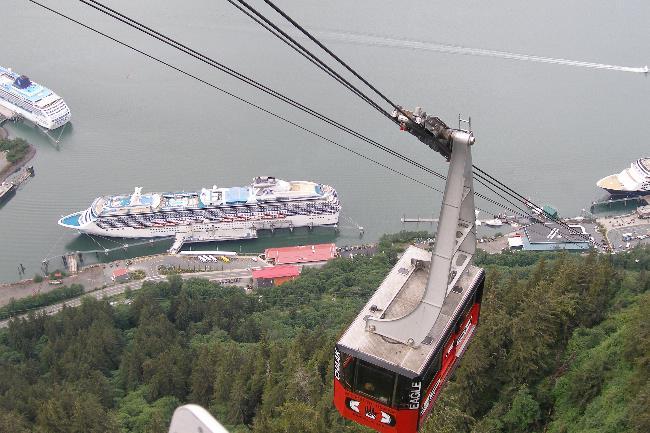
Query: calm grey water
point(550, 131)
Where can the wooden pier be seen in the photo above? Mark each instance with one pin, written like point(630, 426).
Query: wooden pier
point(23, 175)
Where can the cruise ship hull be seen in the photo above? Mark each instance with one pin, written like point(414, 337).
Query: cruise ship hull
point(625, 194)
point(615, 188)
point(218, 230)
point(42, 121)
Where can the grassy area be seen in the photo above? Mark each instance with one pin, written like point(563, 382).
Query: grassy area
point(137, 274)
point(22, 305)
point(15, 149)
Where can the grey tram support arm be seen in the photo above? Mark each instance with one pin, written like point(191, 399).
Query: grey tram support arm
point(453, 251)
point(192, 418)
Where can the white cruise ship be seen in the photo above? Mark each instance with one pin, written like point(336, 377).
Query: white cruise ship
point(32, 101)
point(632, 181)
point(219, 213)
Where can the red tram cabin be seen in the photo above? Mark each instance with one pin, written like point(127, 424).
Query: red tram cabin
point(390, 386)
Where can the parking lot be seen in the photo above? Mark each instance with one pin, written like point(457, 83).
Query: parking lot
point(164, 263)
point(626, 231)
point(624, 238)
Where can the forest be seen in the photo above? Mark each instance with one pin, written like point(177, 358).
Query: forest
point(563, 346)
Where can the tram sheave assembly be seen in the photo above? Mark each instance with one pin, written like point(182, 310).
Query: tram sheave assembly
point(393, 360)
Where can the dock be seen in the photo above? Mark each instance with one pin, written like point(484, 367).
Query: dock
point(23, 175)
point(71, 263)
point(606, 204)
point(6, 114)
point(419, 220)
point(179, 241)
point(7, 189)
point(217, 235)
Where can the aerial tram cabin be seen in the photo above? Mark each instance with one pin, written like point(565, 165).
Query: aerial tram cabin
point(392, 362)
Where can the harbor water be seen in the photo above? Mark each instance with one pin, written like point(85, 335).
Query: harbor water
point(548, 130)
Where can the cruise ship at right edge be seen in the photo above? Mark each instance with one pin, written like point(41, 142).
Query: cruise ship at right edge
point(631, 182)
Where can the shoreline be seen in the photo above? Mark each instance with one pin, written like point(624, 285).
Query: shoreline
point(13, 168)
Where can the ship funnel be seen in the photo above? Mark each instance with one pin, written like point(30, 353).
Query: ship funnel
point(135, 198)
point(22, 82)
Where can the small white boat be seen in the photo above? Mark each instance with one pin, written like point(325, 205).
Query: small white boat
point(496, 222)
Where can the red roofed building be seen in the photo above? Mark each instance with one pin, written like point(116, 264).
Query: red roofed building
point(275, 275)
point(120, 275)
point(301, 254)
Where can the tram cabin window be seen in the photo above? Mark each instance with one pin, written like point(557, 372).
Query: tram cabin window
point(463, 315)
point(432, 370)
point(404, 397)
point(375, 382)
point(348, 363)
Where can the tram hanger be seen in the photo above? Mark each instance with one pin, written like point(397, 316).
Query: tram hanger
point(391, 363)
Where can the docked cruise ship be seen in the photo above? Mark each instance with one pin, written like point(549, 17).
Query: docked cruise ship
point(217, 213)
point(632, 181)
point(30, 100)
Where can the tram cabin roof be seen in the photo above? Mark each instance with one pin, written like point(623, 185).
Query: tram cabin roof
point(399, 293)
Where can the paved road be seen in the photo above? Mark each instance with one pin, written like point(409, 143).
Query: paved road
point(244, 275)
point(101, 275)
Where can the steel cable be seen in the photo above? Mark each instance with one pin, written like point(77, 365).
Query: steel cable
point(267, 90)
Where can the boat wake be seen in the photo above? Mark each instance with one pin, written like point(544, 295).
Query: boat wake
point(382, 41)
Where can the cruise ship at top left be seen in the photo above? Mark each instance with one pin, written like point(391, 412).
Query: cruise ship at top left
point(32, 101)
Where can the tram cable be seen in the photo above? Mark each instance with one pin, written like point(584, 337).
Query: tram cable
point(205, 59)
point(297, 46)
point(485, 176)
point(328, 51)
point(97, 5)
point(267, 90)
point(276, 31)
point(300, 49)
point(276, 115)
point(156, 59)
point(169, 41)
point(235, 74)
